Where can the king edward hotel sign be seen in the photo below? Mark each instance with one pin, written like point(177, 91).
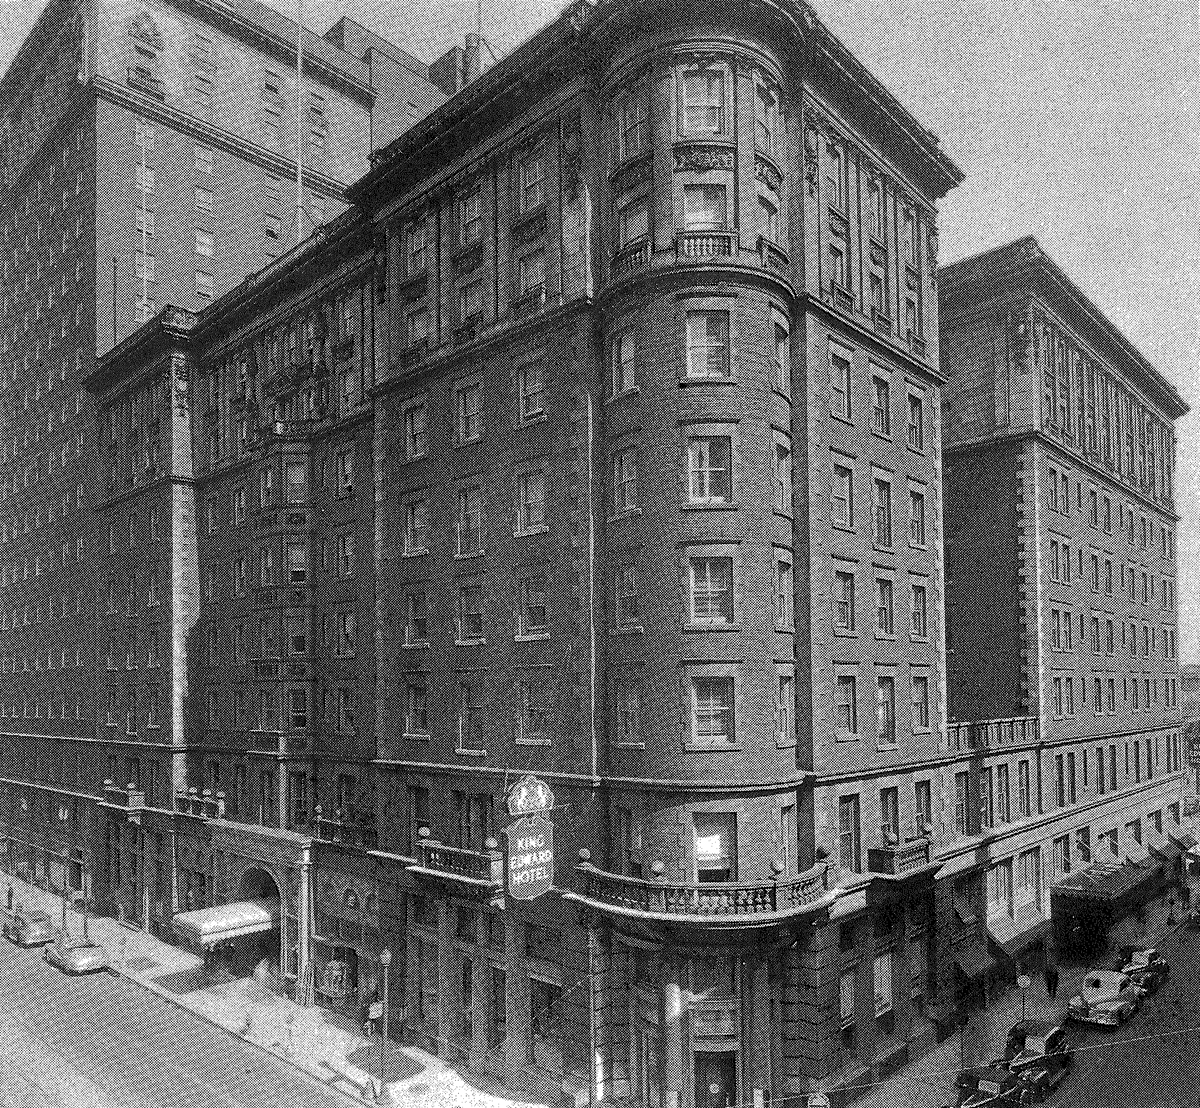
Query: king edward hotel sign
point(530, 863)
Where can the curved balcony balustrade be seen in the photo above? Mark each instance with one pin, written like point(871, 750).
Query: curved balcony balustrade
point(733, 904)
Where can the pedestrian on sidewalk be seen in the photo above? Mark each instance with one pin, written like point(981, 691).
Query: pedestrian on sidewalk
point(1050, 975)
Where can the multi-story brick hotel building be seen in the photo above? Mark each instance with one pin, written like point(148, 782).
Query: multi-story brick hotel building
point(599, 440)
point(1052, 410)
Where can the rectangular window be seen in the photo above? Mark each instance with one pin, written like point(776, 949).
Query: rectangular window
point(470, 220)
point(417, 622)
point(710, 470)
point(533, 617)
point(839, 383)
point(470, 612)
point(920, 613)
point(916, 423)
point(704, 101)
point(704, 208)
point(881, 412)
point(531, 175)
point(785, 707)
point(624, 355)
point(531, 391)
point(531, 494)
point(846, 705)
point(962, 790)
point(624, 481)
point(712, 710)
point(531, 274)
point(784, 603)
point(534, 705)
point(625, 596)
point(416, 527)
point(469, 522)
point(883, 605)
point(416, 418)
point(916, 518)
point(783, 478)
point(416, 714)
point(885, 710)
point(711, 590)
point(920, 703)
point(849, 848)
point(843, 496)
point(633, 221)
point(882, 511)
point(707, 344)
point(469, 399)
point(204, 285)
point(715, 838)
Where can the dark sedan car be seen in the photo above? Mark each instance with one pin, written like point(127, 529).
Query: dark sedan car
point(1143, 965)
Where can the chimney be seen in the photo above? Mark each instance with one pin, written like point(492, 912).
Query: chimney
point(472, 56)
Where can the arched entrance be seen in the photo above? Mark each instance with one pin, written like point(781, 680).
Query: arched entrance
point(259, 955)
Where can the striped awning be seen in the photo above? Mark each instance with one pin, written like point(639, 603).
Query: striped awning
point(209, 926)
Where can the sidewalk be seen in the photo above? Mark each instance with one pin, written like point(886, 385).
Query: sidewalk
point(927, 1082)
point(311, 1039)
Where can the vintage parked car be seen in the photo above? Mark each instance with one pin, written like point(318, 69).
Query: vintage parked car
point(1106, 999)
point(28, 926)
point(73, 954)
point(1143, 965)
point(1040, 1053)
point(992, 1088)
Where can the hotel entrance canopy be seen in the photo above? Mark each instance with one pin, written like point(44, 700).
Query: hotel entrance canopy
point(209, 926)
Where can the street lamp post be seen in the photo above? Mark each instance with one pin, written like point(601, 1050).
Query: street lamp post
point(64, 814)
point(385, 960)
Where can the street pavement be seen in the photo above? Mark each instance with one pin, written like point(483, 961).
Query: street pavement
point(1153, 1061)
point(101, 1040)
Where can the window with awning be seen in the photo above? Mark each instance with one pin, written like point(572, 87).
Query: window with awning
point(209, 926)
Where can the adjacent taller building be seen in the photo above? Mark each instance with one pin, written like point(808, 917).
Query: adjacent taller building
point(1070, 649)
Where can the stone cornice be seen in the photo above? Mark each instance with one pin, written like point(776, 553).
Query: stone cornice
point(214, 136)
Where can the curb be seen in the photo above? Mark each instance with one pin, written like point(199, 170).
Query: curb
point(331, 1079)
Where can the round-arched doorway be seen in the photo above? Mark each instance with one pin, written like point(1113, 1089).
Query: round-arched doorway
point(259, 955)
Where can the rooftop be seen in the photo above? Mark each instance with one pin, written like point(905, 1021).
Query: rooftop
point(1024, 261)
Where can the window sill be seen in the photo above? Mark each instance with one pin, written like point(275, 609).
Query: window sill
point(845, 633)
point(785, 628)
point(729, 378)
point(423, 738)
point(776, 391)
point(629, 746)
point(881, 435)
point(414, 458)
point(481, 641)
point(883, 636)
point(624, 514)
point(521, 741)
point(623, 395)
point(708, 748)
point(414, 553)
point(721, 506)
point(473, 441)
point(887, 747)
point(882, 548)
point(631, 629)
point(705, 628)
point(543, 636)
point(785, 744)
point(541, 529)
point(531, 421)
point(845, 736)
point(470, 556)
point(464, 752)
point(423, 645)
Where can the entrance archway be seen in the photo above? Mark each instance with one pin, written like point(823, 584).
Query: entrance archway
point(259, 955)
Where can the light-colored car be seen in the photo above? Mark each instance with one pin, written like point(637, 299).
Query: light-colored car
point(1143, 965)
point(1106, 998)
point(75, 955)
point(28, 926)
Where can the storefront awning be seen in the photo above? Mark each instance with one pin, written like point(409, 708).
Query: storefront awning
point(208, 926)
point(1184, 837)
point(1014, 934)
point(1166, 850)
point(972, 958)
point(1104, 881)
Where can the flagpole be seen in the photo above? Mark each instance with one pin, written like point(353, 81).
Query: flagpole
point(299, 122)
